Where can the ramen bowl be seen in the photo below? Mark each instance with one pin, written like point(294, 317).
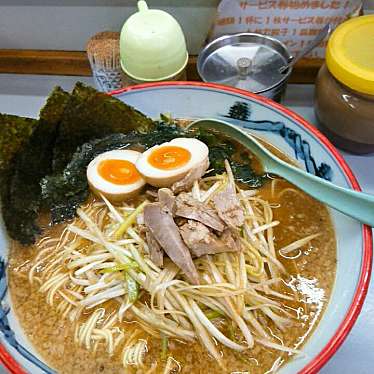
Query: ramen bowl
point(297, 139)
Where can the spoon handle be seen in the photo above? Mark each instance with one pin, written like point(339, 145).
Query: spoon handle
point(308, 48)
point(358, 205)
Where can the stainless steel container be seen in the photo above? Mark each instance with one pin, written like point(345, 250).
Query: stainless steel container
point(248, 61)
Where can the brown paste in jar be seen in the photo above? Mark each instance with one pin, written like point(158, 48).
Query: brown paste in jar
point(344, 115)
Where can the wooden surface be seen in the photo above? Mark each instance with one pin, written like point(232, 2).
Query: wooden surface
point(44, 62)
point(13, 61)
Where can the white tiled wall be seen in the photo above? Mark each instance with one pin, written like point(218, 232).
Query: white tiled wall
point(67, 24)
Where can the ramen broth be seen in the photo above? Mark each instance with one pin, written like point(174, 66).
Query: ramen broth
point(311, 274)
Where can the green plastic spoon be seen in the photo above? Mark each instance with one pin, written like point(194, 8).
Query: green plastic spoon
point(355, 204)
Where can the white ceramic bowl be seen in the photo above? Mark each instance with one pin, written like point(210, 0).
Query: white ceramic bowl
point(295, 137)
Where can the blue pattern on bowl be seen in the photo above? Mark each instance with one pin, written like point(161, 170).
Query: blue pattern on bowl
point(239, 114)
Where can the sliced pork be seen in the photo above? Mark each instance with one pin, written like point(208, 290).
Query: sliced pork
point(193, 175)
point(167, 199)
point(166, 232)
point(227, 203)
point(231, 239)
point(190, 208)
point(229, 209)
point(201, 241)
point(155, 250)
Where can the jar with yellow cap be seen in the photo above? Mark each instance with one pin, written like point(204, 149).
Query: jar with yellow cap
point(344, 96)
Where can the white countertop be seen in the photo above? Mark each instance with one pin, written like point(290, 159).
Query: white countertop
point(25, 94)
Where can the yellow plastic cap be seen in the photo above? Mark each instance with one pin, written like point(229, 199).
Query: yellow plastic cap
point(350, 54)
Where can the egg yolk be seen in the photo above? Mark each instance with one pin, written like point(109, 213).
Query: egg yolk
point(169, 157)
point(118, 171)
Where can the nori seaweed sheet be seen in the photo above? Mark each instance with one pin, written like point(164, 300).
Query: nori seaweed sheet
point(21, 196)
point(66, 122)
point(14, 132)
point(221, 149)
point(93, 115)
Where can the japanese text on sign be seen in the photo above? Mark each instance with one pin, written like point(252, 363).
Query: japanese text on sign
point(294, 22)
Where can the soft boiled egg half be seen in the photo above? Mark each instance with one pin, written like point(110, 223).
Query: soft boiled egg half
point(165, 164)
point(114, 175)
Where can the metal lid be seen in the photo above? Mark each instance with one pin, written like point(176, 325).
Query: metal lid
point(249, 61)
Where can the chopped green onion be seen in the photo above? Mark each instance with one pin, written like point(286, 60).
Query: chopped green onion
point(132, 288)
point(247, 360)
point(121, 267)
point(164, 347)
point(129, 221)
point(166, 117)
point(213, 314)
point(231, 330)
